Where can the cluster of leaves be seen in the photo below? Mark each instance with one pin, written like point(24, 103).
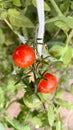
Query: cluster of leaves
point(17, 21)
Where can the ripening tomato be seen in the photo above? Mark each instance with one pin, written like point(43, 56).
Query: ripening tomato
point(48, 84)
point(24, 56)
point(31, 101)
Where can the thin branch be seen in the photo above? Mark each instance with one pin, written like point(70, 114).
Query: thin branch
point(69, 37)
point(56, 7)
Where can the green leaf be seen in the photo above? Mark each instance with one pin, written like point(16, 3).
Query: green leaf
point(2, 97)
point(66, 105)
point(46, 6)
point(66, 57)
point(44, 118)
point(17, 3)
point(62, 53)
point(4, 15)
point(51, 116)
point(19, 20)
point(26, 127)
point(11, 86)
point(64, 6)
point(69, 21)
point(53, 43)
point(58, 125)
point(65, 23)
point(8, 120)
point(2, 37)
point(44, 49)
point(20, 125)
point(2, 126)
point(36, 121)
point(62, 25)
point(44, 97)
point(56, 51)
point(71, 5)
point(58, 95)
point(71, 89)
point(27, 3)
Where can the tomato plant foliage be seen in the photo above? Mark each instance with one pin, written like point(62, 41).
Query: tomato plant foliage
point(18, 26)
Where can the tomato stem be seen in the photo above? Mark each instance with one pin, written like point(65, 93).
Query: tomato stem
point(27, 116)
point(52, 20)
point(56, 7)
point(69, 37)
point(44, 107)
point(34, 73)
point(10, 26)
point(11, 103)
point(6, 21)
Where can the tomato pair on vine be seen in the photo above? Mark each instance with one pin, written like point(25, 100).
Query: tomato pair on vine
point(24, 56)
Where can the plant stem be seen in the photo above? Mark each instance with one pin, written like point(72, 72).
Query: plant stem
point(44, 107)
point(52, 20)
point(10, 103)
point(10, 122)
point(27, 116)
point(69, 37)
point(56, 7)
point(6, 21)
point(34, 73)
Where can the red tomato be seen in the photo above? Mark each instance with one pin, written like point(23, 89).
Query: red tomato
point(48, 84)
point(23, 56)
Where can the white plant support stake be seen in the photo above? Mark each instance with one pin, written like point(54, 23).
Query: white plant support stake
point(40, 35)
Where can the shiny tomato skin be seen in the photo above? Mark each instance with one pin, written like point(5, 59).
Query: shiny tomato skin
point(48, 84)
point(23, 56)
point(31, 101)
